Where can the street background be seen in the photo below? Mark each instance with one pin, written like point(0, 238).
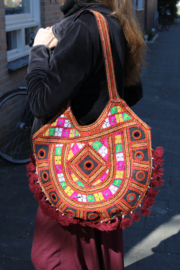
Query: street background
point(152, 243)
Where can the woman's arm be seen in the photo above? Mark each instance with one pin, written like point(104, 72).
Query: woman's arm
point(55, 78)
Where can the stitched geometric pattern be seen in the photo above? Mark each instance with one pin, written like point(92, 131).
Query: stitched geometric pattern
point(93, 175)
point(62, 128)
point(115, 117)
point(101, 171)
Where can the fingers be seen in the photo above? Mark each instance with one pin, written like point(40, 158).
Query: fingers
point(53, 44)
point(46, 37)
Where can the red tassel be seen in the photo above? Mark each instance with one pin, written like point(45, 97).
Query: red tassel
point(49, 210)
point(29, 174)
point(159, 152)
point(30, 167)
point(157, 183)
point(161, 183)
point(32, 159)
point(145, 211)
point(159, 162)
point(126, 222)
point(35, 188)
point(64, 220)
point(152, 193)
point(148, 202)
point(135, 216)
point(53, 214)
point(38, 196)
point(45, 206)
point(157, 173)
point(33, 178)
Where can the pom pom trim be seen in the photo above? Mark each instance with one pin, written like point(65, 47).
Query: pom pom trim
point(124, 223)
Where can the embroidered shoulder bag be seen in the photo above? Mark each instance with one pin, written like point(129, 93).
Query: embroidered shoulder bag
point(96, 175)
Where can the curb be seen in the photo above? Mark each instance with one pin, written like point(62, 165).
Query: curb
point(153, 40)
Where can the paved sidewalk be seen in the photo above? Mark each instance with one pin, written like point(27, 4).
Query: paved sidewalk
point(154, 242)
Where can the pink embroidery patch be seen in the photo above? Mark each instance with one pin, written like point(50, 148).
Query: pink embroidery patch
point(120, 165)
point(60, 122)
point(66, 133)
point(75, 149)
point(74, 196)
point(112, 120)
point(58, 169)
point(103, 177)
point(107, 194)
point(105, 141)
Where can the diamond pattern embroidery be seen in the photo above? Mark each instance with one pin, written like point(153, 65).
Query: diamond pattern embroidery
point(88, 163)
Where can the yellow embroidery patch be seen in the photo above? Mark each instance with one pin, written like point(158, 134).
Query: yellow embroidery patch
point(57, 160)
point(54, 124)
point(46, 133)
point(119, 118)
point(119, 174)
point(69, 191)
point(119, 109)
point(72, 131)
point(117, 139)
point(70, 155)
point(74, 177)
point(99, 197)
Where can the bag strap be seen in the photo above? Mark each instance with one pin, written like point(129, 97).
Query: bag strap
point(106, 45)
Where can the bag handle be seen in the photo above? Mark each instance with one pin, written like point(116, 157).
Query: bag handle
point(106, 45)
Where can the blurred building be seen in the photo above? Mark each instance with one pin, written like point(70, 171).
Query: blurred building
point(19, 21)
point(146, 11)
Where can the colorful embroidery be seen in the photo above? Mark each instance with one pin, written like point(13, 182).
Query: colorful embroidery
point(99, 172)
point(62, 127)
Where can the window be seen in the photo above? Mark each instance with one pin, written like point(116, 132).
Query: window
point(22, 22)
point(139, 4)
point(13, 7)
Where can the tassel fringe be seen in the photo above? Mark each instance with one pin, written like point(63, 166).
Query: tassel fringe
point(64, 220)
point(135, 216)
point(126, 222)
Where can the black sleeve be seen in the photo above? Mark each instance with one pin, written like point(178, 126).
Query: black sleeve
point(133, 94)
point(52, 80)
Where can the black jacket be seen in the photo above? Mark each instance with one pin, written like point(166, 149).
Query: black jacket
point(75, 70)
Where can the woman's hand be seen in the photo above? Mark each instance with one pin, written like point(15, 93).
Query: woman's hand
point(45, 37)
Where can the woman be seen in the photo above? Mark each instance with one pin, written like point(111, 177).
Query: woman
point(68, 64)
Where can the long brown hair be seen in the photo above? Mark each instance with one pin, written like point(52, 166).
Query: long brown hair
point(136, 46)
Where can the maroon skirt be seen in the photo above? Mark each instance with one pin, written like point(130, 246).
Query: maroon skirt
point(75, 247)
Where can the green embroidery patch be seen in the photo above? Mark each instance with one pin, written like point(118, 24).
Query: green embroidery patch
point(58, 151)
point(76, 133)
point(80, 184)
point(63, 185)
point(90, 198)
point(97, 145)
point(114, 110)
point(126, 116)
point(117, 182)
point(51, 131)
point(119, 148)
